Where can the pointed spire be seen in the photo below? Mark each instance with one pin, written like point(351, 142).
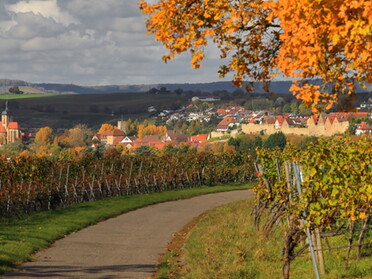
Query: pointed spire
point(5, 111)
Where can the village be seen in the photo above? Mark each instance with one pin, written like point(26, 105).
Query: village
point(235, 120)
point(230, 122)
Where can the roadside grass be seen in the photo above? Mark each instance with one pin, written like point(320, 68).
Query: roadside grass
point(21, 237)
point(235, 249)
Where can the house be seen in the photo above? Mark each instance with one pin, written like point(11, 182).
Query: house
point(268, 120)
point(366, 105)
point(9, 130)
point(151, 140)
point(221, 112)
point(175, 136)
point(198, 138)
point(279, 121)
point(111, 137)
point(225, 124)
point(363, 128)
point(114, 136)
point(128, 141)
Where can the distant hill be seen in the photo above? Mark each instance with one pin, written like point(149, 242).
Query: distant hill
point(57, 88)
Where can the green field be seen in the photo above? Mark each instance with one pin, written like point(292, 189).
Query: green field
point(65, 111)
point(24, 96)
point(21, 237)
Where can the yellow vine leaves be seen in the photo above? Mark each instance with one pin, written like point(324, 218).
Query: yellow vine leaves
point(301, 39)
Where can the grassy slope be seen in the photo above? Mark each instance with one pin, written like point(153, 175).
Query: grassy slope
point(20, 238)
point(24, 96)
point(65, 111)
point(235, 249)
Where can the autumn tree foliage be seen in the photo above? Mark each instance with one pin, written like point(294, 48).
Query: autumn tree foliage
point(144, 130)
point(80, 135)
point(301, 39)
point(106, 127)
point(44, 136)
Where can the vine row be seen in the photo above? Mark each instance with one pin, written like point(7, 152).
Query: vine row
point(33, 184)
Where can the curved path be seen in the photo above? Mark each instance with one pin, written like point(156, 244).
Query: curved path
point(126, 246)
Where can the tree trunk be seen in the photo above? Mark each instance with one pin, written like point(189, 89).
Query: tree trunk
point(361, 235)
point(350, 242)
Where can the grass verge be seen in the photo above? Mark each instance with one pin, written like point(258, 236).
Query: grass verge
point(21, 237)
point(235, 249)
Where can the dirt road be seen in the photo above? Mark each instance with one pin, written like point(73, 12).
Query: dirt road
point(126, 246)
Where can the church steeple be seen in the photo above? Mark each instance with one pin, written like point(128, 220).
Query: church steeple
point(6, 108)
point(5, 117)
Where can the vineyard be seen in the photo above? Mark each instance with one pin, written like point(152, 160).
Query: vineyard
point(34, 184)
point(314, 194)
point(321, 192)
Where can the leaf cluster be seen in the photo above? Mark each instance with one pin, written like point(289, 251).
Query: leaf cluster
point(301, 39)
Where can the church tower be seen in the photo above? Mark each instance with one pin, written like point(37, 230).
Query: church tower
point(9, 130)
point(122, 125)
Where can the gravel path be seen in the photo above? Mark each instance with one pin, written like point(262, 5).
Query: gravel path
point(126, 246)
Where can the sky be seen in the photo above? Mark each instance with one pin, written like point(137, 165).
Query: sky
point(88, 42)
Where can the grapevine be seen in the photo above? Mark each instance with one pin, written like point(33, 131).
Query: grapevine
point(31, 184)
point(321, 189)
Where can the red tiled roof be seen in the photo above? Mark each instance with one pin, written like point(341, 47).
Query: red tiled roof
point(198, 138)
point(229, 119)
point(149, 138)
point(175, 135)
point(289, 121)
point(222, 126)
point(364, 126)
point(114, 133)
point(117, 139)
point(280, 119)
point(160, 145)
point(226, 121)
point(100, 136)
point(2, 129)
point(13, 125)
point(269, 120)
point(221, 111)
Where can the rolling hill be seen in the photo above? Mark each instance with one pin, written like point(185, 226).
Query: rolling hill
point(57, 88)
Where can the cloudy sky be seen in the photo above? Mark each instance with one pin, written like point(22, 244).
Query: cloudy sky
point(88, 42)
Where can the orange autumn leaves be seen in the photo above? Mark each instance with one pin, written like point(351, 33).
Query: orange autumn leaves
point(302, 39)
point(146, 130)
point(326, 39)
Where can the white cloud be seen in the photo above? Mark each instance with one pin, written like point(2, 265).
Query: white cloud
point(100, 8)
point(68, 41)
point(47, 8)
point(87, 42)
point(28, 25)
